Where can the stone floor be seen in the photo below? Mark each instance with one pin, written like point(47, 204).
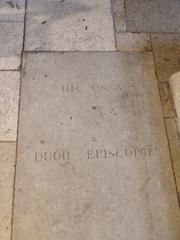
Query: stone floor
point(88, 131)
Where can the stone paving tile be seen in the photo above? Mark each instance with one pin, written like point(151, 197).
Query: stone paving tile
point(12, 10)
point(153, 16)
point(11, 40)
point(174, 141)
point(93, 159)
point(175, 90)
point(167, 54)
point(9, 97)
point(70, 25)
point(136, 42)
point(118, 10)
point(166, 100)
point(7, 161)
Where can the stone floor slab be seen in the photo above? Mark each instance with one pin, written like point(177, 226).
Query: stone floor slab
point(174, 141)
point(69, 25)
point(167, 55)
point(7, 161)
point(11, 40)
point(93, 159)
point(12, 10)
point(133, 42)
point(118, 10)
point(153, 16)
point(175, 90)
point(9, 97)
point(166, 100)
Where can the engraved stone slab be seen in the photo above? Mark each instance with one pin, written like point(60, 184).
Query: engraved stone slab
point(93, 159)
point(12, 10)
point(9, 98)
point(7, 161)
point(70, 25)
point(11, 40)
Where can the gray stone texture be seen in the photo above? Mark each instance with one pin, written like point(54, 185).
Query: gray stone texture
point(12, 10)
point(7, 162)
point(153, 16)
point(93, 160)
point(167, 55)
point(118, 10)
point(71, 25)
point(11, 41)
point(9, 98)
point(133, 42)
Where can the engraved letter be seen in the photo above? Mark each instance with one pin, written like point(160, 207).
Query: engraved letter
point(38, 157)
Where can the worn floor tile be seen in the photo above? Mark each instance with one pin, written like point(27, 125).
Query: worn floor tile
point(93, 160)
point(7, 161)
point(153, 15)
point(166, 100)
point(118, 10)
point(9, 97)
point(12, 10)
point(174, 141)
point(69, 25)
point(175, 90)
point(133, 42)
point(11, 40)
point(167, 54)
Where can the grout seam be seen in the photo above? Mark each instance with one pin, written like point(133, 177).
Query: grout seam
point(21, 21)
point(114, 24)
point(125, 17)
point(21, 74)
point(10, 70)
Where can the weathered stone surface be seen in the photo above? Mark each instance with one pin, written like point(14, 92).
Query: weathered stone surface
point(12, 10)
point(11, 40)
point(167, 54)
point(69, 25)
point(133, 42)
point(175, 89)
point(7, 161)
point(93, 160)
point(174, 141)
point(166, 99)
point(118, 10)
point(153, 15)
point(9, 97)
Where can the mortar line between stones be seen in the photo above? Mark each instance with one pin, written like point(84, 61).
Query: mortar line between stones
point(7, 141)
point(166, 131)
point(114, 26)
point(138, 32)
point(16, 156)
point(73, 51)
point(9, 70)
point(21, 21)
point(125, 16)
